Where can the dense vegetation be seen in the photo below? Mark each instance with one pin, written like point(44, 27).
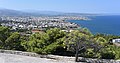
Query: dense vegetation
point(55, 41)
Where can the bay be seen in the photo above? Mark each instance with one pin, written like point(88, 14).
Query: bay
point(101, 24)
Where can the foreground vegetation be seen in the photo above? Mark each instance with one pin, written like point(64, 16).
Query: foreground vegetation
point(54, 41)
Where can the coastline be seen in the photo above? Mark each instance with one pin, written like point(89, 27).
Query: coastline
point(101, 24)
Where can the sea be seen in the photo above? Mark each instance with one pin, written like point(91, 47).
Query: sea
point(101, 24)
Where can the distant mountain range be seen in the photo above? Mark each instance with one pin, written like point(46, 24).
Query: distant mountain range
point(43, 12)
point(9, 12)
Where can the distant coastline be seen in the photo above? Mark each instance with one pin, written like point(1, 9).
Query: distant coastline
point(101, 24)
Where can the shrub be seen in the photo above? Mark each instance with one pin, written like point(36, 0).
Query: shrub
point(107, 53)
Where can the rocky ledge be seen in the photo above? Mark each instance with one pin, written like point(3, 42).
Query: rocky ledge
point(10, 56)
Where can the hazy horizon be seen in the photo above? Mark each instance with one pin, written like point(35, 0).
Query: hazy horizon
point(81, 6)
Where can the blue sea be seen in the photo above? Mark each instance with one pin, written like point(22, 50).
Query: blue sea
point(101, 24)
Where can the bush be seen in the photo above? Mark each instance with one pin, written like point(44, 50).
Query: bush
point(51, 48)
point(90, 53)
point(107, 53)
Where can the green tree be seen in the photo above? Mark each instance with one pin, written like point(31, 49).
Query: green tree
point(55, 34)
point(86, 31)
point(36, 42)
point(75, 41)
point(78, 41)
point(45, 43)
point(4, 33)
point(107, 53)
point(110, 52)
point(13, 42)
point(102, 41)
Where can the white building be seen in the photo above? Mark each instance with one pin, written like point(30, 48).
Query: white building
point(116, 40)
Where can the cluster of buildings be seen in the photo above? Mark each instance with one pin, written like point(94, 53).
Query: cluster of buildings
point(39, 23)
point(33, 18)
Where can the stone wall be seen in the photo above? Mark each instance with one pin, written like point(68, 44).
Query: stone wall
point(60, 58)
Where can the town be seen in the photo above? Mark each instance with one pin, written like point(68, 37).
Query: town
point(37, 24)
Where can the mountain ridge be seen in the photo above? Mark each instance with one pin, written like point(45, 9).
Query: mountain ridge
point(10, 12)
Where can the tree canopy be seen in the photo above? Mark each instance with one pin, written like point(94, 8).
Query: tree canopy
point(56, 41)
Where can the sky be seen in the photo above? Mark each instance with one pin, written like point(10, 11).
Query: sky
point(77, 6)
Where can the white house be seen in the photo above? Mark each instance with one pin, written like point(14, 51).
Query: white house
point(116, 40)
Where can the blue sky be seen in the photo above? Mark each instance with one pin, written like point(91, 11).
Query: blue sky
point(81, 6)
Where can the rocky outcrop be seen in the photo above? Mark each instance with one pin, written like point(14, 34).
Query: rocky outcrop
point(60, 58)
